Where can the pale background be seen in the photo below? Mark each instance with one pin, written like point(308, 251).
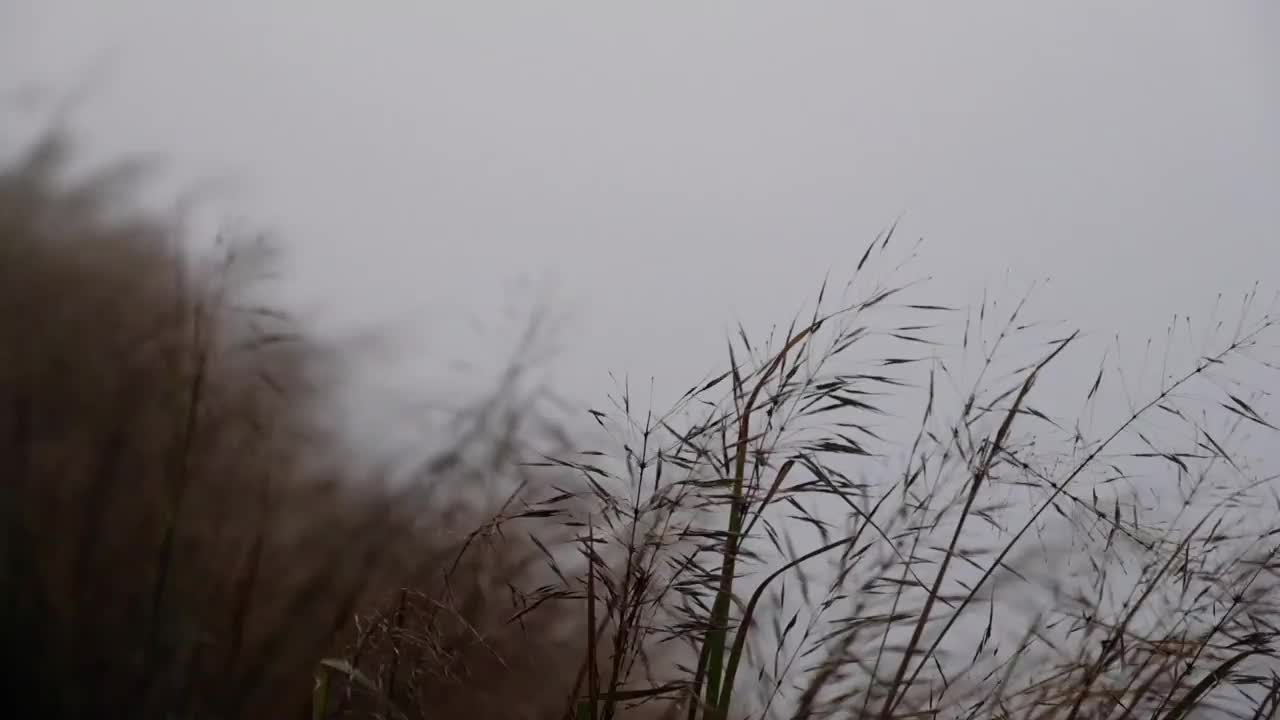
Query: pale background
point(660, 171)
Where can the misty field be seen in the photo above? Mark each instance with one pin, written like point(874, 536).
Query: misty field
point(890, 506)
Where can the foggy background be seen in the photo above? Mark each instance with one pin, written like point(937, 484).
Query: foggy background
point(656, 172)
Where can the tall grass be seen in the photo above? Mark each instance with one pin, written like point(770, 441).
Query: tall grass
point(181, 535)
point(858, 516)
point(1004, 563)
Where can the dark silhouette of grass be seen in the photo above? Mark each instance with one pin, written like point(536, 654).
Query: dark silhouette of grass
point(723, 511)
point(183, 537)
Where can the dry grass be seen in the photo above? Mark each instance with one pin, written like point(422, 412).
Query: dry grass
point(179, 535)
point(843, 523)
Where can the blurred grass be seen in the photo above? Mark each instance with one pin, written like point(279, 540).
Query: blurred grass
point(854, 518)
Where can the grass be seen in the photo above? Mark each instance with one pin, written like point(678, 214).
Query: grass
point(856, 517)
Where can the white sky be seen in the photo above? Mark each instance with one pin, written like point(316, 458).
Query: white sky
point(670, 168)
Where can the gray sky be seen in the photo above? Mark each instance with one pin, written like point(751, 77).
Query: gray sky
point(670, 168)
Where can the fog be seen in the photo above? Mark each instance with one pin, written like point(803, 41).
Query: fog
point(658, 172)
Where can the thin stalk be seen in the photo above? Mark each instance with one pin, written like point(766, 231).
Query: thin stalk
point(718, 633)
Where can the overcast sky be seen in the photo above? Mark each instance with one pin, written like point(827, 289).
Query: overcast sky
point(667, 169)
